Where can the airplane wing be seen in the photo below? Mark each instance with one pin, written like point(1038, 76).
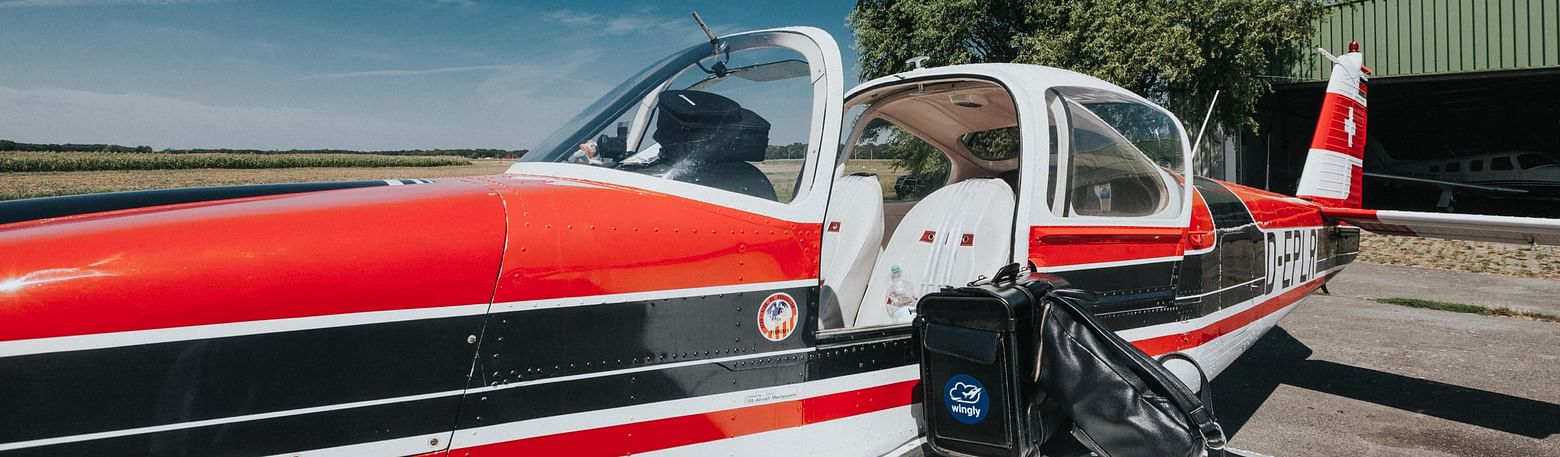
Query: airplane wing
point(1474, 227)
point(1448, 186)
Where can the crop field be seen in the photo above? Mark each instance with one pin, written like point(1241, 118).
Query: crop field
point(52, 183)
point(782, 173)
point(93, 161)
point(87, 177)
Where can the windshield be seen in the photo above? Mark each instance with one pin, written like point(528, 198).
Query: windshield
point(609, 107)
point(737, 121)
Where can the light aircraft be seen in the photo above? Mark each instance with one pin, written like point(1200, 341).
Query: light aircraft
point(1521, 176)
point(660, 290)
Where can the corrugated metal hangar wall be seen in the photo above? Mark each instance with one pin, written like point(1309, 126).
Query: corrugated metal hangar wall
point(1455, 81)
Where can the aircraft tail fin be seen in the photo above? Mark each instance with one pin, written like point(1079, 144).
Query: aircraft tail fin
point(1334, 167)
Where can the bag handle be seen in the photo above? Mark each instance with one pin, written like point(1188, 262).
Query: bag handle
point(1207, 423)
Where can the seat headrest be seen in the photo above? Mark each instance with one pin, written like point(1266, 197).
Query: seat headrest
point(697, 125)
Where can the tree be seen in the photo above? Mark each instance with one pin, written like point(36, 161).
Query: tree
point(1176, 53)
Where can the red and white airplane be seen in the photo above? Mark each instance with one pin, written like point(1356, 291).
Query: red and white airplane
point(645, 283)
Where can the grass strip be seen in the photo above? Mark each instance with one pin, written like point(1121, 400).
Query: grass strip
point(15, 162)
point(1467, 308)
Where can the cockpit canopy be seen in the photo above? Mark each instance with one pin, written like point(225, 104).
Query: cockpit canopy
point(741, 116)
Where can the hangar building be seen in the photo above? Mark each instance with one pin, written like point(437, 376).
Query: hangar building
point(1464, 91)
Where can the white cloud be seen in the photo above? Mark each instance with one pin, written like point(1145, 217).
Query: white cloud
point(568, 17)
point(639, 24)
point(364, 54)
point(414, 72)
point(53, 114)
point(522, 81)
point(614, 25)
point(47, 3)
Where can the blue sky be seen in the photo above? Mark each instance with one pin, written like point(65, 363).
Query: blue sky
point(386, 74)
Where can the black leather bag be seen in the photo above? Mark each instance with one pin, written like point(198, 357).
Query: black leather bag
point(1123, 403)
point(984, 337)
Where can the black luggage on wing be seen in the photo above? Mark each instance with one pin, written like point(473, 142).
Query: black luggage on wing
point(979, 368)
point(1122, 402)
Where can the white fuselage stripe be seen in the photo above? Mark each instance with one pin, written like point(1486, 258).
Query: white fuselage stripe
point(527, 305)
point(1118, 263)
point(196, 332)
point(1204, 294)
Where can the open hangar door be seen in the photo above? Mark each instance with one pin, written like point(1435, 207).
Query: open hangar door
point(1463, 91)
point(1498, 133)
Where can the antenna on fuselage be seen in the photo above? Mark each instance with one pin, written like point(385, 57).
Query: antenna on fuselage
point(1206, 117)
point(714, 42)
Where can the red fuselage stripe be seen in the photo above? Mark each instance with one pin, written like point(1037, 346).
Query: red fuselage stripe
point(705, 427)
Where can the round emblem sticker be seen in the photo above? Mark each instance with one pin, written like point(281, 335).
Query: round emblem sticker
point(777, 317)
point(965, 399)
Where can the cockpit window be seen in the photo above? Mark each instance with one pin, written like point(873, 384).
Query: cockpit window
point(994, 144)
point(738, 121)
point(1117, 160)
point(1535, 160)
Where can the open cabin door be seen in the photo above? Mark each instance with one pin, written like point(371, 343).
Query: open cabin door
point(1116, 206)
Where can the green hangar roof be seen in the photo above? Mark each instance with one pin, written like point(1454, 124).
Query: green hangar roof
point(1437, 37)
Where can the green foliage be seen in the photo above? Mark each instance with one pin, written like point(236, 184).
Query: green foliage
point(1176, 53)
point(1470, 309)
point(789, 151)
point(926, 167)
point(8, 145)
point(85, 161)
point(994, 144)
point(1436, 305)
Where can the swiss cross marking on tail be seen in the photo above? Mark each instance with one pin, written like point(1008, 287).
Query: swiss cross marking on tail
point(1348, 126)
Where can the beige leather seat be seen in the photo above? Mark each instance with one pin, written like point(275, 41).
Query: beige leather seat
point(852, 239)
point(953, 236)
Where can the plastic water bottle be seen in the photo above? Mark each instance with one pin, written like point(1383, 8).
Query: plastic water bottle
point(901, 299)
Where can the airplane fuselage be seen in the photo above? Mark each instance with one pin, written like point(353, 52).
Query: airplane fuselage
point(510, 315)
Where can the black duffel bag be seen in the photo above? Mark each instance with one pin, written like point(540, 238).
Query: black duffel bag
point(1123, 403)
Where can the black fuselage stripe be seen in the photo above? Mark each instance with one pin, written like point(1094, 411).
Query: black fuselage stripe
point(544, 343)
point(79, 392)
point(432, 416)
point(161, 386)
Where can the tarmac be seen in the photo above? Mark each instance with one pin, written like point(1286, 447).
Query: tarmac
point(1343, 375)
